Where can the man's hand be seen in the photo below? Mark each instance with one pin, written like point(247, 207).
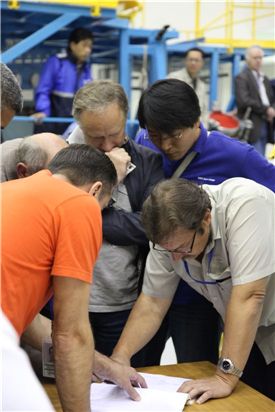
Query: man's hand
point(38, 117)
point(215, 386)
point(122, 375)
point(126, 377)
point(270, 113)
point(123, 360)
point(120, 159)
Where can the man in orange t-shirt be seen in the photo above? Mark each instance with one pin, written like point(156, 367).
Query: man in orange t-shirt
point(51, 235)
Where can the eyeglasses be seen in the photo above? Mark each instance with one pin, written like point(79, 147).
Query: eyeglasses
point(178, 250)
point(160, 138)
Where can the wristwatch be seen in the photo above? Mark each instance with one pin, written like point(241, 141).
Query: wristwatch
point(227, 366)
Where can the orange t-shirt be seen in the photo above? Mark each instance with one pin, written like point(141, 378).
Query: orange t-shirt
point(49, 228)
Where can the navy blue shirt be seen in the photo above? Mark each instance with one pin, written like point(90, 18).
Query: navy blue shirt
point(218, 158)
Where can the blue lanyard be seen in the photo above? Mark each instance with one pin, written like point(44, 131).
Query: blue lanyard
point(204, 282)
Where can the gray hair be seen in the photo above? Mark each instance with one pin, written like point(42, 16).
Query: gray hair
point(11, 93)
point(32, 155)
point(248, 50)
point(96, 95)
point(174, 203)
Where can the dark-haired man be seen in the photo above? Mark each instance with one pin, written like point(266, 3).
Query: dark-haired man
point(11, 96)
point(221, 241)
point(52, 233)
point(169, 111)
point(62, 75)
point(194, 61)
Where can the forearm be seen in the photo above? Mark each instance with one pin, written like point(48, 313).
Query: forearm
point(73, 369)
point(143, 323)
point(37, 331)
point(241, 323)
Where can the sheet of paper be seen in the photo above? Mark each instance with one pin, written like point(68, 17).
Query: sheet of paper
point(161, 396)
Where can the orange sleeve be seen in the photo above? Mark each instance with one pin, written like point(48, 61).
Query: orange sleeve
point(78, 235)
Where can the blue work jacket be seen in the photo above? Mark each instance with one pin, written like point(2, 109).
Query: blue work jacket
point(59, 80)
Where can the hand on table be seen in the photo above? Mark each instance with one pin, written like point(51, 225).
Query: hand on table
point(125, 377)
point(213, 387)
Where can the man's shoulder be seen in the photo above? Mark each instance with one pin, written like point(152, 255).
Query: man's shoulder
point(244, 74)
point(179, 74)
point(143, 151)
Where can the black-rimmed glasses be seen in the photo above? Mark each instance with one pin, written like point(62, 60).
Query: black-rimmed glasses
point(177, 250)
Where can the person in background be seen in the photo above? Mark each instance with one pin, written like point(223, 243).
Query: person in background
point(62, 75)
point(25, 156)
point(194, 62)
point(254, 93)
point(221, 241)
point(101, 107)
point(11, 96)
point(169, 114)
point(62, 206)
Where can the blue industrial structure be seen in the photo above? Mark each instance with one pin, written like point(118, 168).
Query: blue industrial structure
point(36, 30)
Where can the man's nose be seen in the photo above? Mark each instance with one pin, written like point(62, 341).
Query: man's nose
point(107, 146)
point(165, 144)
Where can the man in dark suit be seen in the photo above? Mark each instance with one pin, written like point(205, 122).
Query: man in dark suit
point(253, 90)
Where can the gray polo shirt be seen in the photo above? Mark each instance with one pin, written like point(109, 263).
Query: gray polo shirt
point(242, 248)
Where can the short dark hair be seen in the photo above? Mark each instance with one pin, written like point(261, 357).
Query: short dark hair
point(168, 105)
point(196, 49)
point(174, 203)
point(11, 93)
point(80, 33)
point(82, 164)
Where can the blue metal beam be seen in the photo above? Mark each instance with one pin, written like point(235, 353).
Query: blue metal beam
point(37, 37)
point(158, 66)
point(58, 9)
point(125, 62)
point(214, 74)
point(235, 69)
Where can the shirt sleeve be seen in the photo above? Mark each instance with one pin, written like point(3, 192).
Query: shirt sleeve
point(78, 238)
point(250, 229)
point(160, 278)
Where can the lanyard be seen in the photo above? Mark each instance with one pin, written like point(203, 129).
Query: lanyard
point(204, 282)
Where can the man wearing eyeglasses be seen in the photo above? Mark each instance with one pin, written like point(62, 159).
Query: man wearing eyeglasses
point(221, 241)
point(169, 114)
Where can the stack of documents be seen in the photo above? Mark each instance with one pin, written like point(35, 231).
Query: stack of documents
point(160, 396)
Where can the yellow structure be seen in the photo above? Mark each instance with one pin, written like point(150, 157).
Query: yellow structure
point(125, 8)
point(256, 10)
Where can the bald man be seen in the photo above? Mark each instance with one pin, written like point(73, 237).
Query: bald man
point(25, 156)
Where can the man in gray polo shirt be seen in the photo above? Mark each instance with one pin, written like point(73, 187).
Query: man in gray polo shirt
point(221, 240)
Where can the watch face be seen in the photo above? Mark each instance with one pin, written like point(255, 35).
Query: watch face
point(226, 365)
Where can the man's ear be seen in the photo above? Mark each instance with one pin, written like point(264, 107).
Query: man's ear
point(207, 217)
point(21, 170)
point(95, 189)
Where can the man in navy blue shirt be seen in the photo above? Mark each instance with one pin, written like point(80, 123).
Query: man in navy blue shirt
point(169, 114)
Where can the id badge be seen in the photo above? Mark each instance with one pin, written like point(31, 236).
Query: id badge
point(48, 358)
